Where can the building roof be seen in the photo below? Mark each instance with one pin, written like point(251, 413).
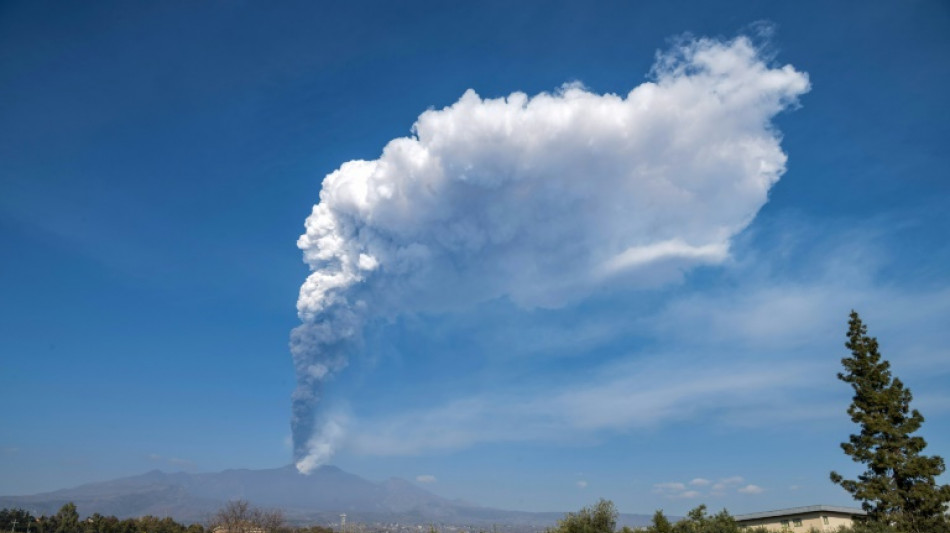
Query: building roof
point(801, 510)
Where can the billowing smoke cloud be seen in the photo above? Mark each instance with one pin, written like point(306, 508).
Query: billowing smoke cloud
point(541, 200)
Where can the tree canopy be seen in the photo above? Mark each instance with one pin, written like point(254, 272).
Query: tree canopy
point(598, 518)
point(899, 485)
point(240, 517)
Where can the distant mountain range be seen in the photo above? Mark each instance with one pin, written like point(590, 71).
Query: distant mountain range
point(316, 498)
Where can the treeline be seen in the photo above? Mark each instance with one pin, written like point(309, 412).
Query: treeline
point(235, 517)
point(602, 518)
point(66, 520)
point(240, 517)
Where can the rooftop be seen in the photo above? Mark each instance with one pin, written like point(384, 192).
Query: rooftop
point(801, 510)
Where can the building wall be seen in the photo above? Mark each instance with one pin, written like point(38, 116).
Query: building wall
point(802, 522)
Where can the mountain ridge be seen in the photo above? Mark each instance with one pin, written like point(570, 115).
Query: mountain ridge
point(304, 499)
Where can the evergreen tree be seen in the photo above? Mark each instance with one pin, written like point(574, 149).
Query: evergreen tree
point(899, 486)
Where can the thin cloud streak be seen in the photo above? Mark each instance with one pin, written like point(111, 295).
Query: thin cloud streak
point(679, 490)
point(604, 404)
point(741, 378)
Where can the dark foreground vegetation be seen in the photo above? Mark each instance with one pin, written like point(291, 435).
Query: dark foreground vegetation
point(602, 518)
point(66, 520)
point(898, 488)
point(235, 517)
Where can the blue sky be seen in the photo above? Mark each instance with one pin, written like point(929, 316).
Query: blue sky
point(157, 163)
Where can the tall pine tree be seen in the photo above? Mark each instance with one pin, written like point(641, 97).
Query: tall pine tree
point(899, 486)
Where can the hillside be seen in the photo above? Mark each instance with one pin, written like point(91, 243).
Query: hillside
point(316, 498)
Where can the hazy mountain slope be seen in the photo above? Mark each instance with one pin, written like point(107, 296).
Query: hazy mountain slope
point(318, 497)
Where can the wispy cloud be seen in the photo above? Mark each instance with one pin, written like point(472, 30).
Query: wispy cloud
point(676, 490)
point(751, 489)
point(743, 376)
point(696, 488)
point(425, 478)
point(618, 397)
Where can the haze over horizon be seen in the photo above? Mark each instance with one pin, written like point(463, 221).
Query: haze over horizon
point(555, 252)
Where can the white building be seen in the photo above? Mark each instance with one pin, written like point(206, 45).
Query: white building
point(802, 519)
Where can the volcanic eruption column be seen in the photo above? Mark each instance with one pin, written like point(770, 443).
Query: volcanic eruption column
point(540, 200)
